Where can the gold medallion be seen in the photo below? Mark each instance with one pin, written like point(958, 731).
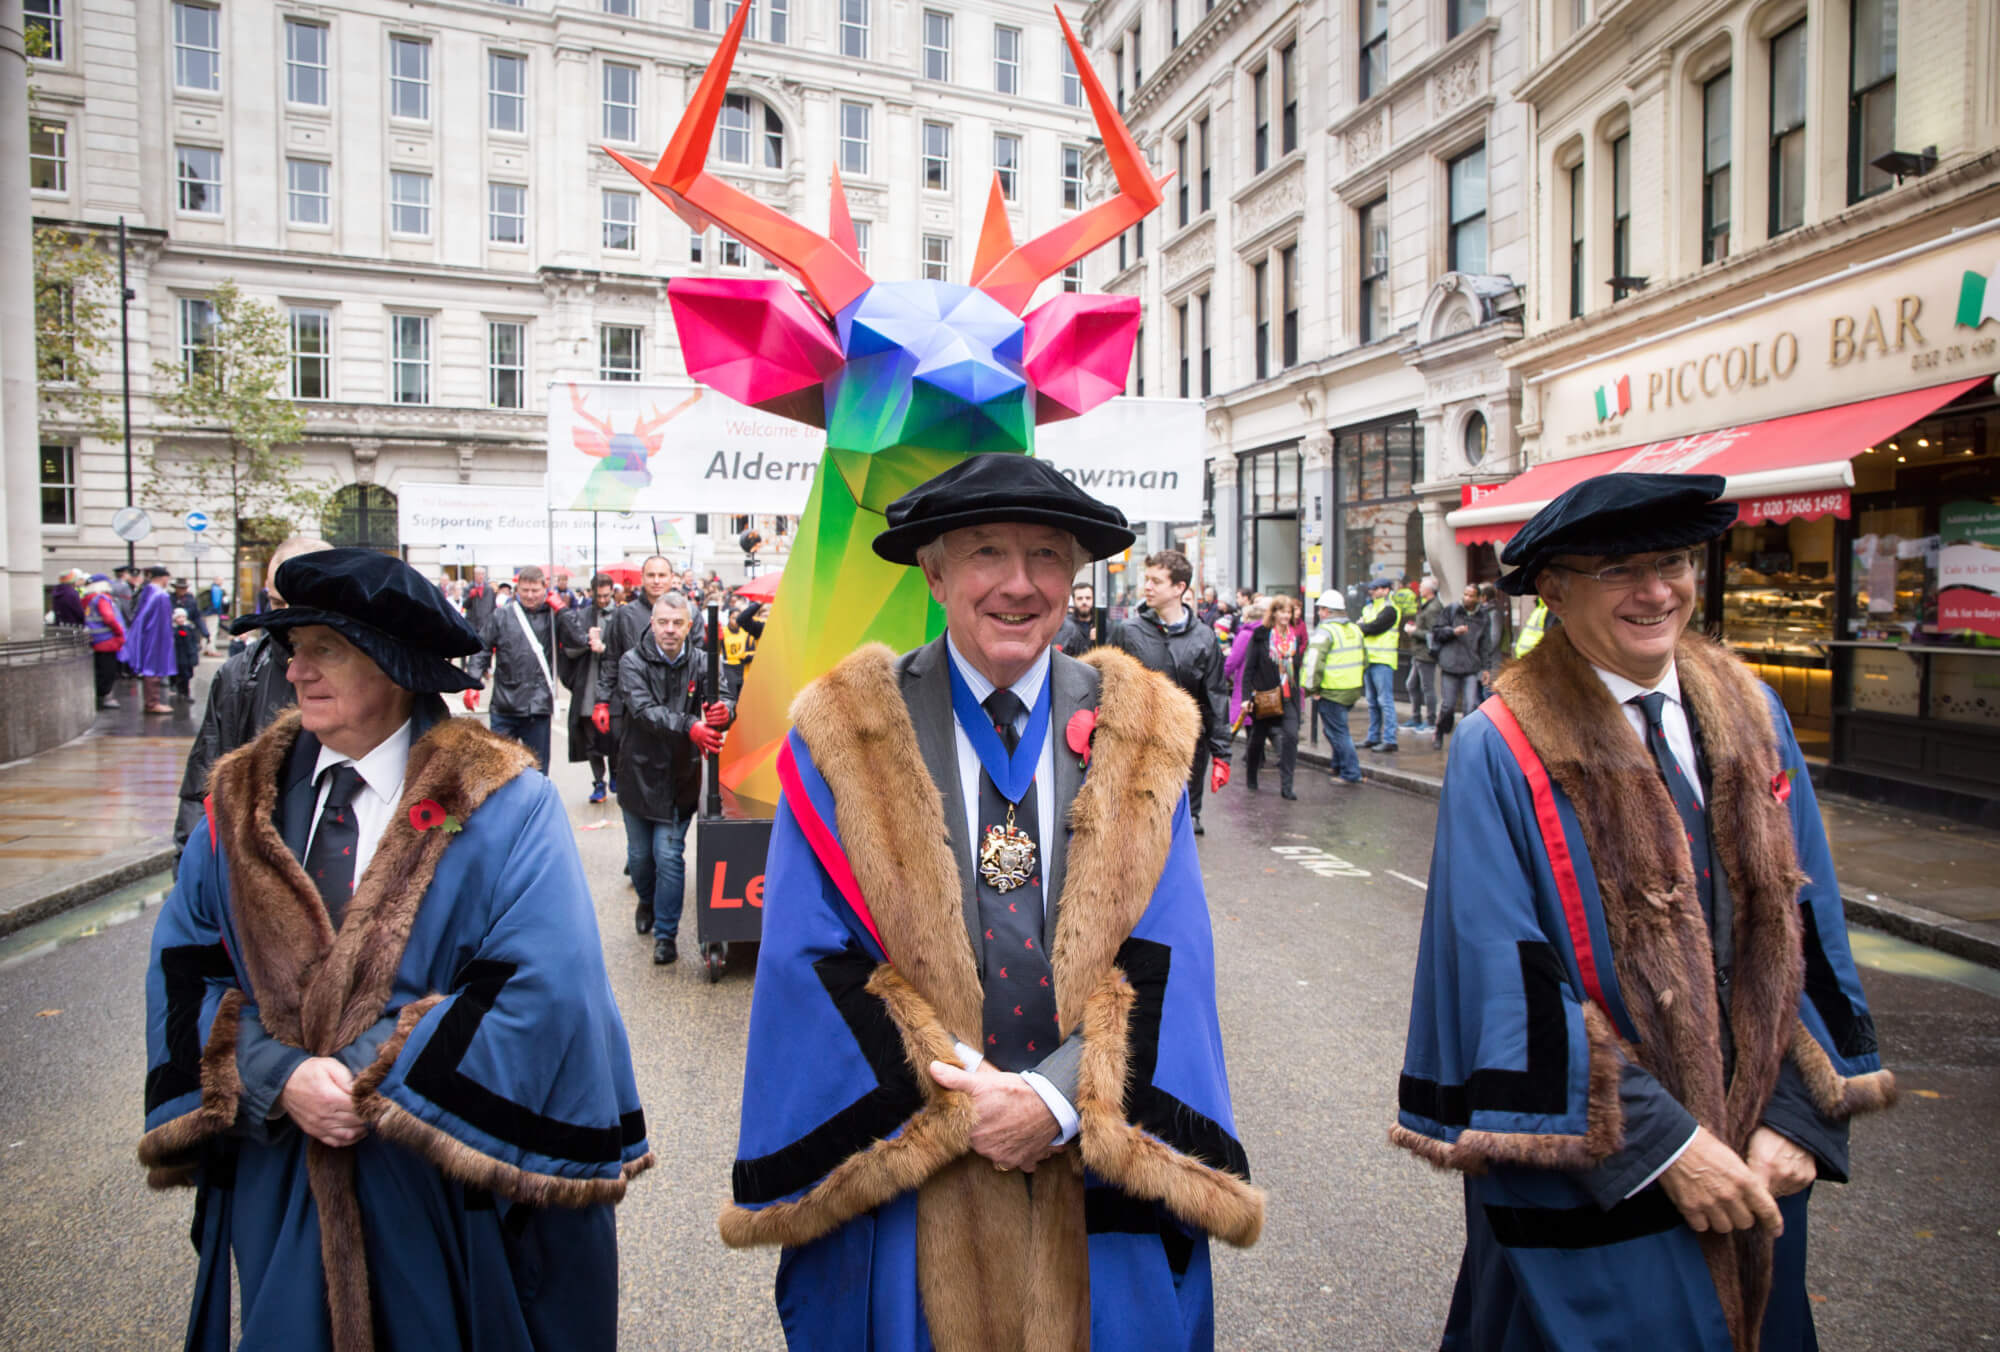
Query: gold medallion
point(1006, 856)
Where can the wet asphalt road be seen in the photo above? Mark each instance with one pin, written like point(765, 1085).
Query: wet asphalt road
point(1315, 937)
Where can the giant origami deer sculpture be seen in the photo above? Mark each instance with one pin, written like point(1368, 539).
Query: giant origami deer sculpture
point(906, 377)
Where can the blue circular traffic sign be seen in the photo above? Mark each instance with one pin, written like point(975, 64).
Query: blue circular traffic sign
point(197, 522)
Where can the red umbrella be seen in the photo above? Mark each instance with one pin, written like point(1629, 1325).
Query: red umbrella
point(624, 574)
point(763, 587)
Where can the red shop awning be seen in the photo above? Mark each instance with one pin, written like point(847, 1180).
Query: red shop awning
point(1778, 469)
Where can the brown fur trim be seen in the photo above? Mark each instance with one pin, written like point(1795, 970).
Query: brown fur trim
point(343, 1246)
point(859, 729)
point(1212, 1199)
point(1604, 1122)
point(929, 1141)
point(370, 1080)
point(161, 1149)
point(1122, 822)
point(1836, 1095)
point(459, 1160)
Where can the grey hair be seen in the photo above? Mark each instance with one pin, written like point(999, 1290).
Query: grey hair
point(672, 600)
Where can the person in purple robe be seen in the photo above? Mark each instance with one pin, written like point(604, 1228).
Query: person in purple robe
point(149, 639)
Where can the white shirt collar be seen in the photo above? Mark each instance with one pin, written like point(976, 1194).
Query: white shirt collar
point(1029, 687)
point(1625, 691)
point(381, 769)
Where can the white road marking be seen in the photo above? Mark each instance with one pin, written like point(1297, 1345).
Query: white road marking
point(1420, 886)
point(1315, 860)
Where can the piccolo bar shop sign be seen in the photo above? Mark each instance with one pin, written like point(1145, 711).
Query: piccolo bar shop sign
point(1919, 317)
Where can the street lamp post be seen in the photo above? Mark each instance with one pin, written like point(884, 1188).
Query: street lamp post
point(125, 362)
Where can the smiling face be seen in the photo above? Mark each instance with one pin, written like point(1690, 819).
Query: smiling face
point(1629, 630)
point(344, 699)
point(1003, 589)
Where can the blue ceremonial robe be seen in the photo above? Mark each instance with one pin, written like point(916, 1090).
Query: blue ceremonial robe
point(149, 638)
point(1513, 1069)
point(841, 1129)
point(491, 1060)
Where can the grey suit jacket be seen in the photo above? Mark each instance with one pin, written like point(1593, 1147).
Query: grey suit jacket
point(924, 676)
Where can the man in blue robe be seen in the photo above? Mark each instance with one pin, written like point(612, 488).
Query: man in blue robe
point(1637, 1028)
point(149, 640)
point(381, 1042)
point(985, 1105)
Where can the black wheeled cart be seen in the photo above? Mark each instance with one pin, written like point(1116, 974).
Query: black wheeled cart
point(729, 853)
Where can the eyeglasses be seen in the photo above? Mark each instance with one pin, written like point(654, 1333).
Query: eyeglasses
point(1622, 576)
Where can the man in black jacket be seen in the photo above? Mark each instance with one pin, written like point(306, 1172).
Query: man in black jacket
point(622, 632)
point(1080, 631)
point(580, 636)
point(1167, 637)
point(523, 637)
point(665, 730)
point(246, 694)
point(479, 601)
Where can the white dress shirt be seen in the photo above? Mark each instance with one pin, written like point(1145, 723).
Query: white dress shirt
point(1680, 741)
point(1673, 717)
point(1029, 689)
point(381, 772)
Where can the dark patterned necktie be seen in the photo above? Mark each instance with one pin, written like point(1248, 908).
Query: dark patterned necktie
point(1710, 885)
point(330, 859)
point(1020, 1008)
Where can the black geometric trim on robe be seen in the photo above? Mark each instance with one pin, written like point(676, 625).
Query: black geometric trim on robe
point(1147, 1106)
point(894, 1100)
point(1542, 1089)
point(436, 1076)
point(1109, 1211)
point(1583, 1227)
point(1853, 1032)
point(187, 971)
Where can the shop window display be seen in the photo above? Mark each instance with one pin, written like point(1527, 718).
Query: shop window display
point(1779, 596)
point(1380, 527)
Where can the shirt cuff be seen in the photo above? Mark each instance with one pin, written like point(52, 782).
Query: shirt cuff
point(1058, 1106)
point(967, 1056)
point(1665, 1165)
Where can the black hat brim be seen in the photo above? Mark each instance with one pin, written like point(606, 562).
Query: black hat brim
point(412, 670)
point(1628, 533)
point(899, 544)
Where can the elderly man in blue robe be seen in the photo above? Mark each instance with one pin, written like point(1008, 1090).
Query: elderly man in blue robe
point(381, 1043)
point(1637, 1027)
point(985, 1105)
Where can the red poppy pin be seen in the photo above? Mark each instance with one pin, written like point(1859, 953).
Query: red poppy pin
point(1781, 785)
point(430, 813)
point(1082, 727)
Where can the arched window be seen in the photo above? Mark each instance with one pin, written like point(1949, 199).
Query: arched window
point(363, 515)
point(737, 135)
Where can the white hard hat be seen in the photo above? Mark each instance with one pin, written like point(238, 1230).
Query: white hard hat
point(1332, 600)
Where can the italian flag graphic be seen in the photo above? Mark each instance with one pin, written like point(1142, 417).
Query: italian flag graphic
point(1613, 400)
point(1978, 300)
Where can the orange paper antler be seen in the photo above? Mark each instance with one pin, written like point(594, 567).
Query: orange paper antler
point(1012, 280)
point(701, 199)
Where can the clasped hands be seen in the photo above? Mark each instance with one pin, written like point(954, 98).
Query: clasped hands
point(319, 1097)
point(1715, 1189)
point(1011, 1125)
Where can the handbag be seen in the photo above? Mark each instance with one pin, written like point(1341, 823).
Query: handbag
point(1267, 703)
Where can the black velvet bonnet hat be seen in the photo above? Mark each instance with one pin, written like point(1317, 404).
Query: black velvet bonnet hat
point(1000, 486)
point(1617, 514)
point(379, 604)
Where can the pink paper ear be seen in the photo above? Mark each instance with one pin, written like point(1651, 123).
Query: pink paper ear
point(756, 341)
point(1077, 350)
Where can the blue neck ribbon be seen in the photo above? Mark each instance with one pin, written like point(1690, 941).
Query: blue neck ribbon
point(1011, 775)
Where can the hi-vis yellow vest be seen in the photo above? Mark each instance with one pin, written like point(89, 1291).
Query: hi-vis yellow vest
point(1531, 632)
point(736, 645)
point(1382, 647)
point(1334, 658)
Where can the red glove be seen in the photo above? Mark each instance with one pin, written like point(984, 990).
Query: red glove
point(472, 701)
point(1218, 775)
point(600, 718)
point(706, 739)
point(716, 715)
